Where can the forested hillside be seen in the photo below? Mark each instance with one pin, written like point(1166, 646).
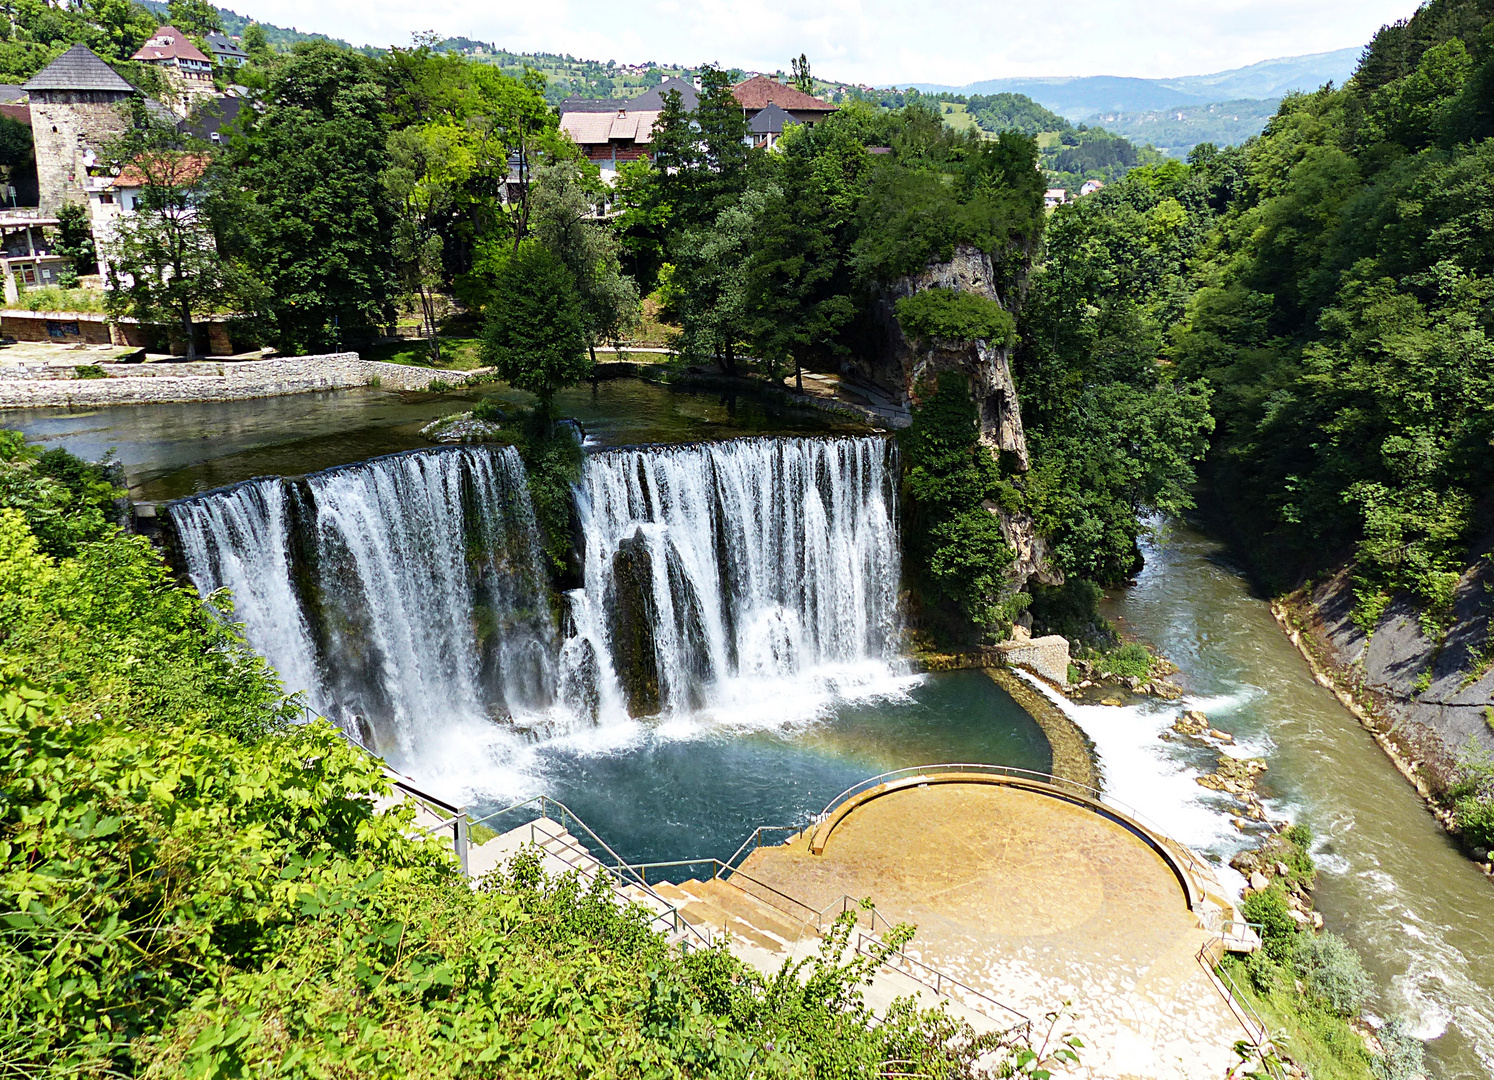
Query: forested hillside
point(1328, 287)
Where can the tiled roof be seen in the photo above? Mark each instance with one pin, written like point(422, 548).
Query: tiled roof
point(223, 45)
point(762, 91)
point(770, 121)
point(654, 99)
point(176, 169)
point(592, 129)
point(169, 43)
point(78, 69)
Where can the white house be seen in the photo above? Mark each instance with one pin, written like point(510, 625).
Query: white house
point(1055, 196)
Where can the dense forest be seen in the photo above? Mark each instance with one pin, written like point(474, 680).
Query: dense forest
point(1327, 289)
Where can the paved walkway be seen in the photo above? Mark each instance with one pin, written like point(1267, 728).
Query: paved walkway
point(1036, 901)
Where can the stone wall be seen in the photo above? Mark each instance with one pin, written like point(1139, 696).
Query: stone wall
point(215, 381)
point(1046, 657)
point(65, 123)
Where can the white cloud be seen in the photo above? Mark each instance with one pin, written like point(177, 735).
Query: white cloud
point(877, 41)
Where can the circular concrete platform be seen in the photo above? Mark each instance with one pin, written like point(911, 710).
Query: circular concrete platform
point(1035, 898)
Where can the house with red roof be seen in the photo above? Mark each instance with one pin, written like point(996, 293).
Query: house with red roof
point(185, 65)
point(757, 93)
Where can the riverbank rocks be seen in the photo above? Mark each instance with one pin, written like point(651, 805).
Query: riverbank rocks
point(1196, 725)
point(461, 428)
point(1235, 776)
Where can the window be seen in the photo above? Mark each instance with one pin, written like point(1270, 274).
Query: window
point(106, 197)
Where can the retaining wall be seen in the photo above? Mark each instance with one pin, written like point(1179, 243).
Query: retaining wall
point(227, 380)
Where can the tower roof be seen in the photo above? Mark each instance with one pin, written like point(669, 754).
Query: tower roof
point(78, 69)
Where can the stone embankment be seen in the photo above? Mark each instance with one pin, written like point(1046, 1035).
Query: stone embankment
point(214, 380)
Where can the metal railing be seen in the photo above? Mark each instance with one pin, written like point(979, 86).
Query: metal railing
point(456, 821)
point(1255, 1026)
point(941, 984)
point(619, 869)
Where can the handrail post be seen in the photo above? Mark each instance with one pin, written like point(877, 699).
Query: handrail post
point(459, 841)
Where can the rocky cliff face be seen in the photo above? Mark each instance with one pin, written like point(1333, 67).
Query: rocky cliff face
point(1437, 692)
point(896, 366)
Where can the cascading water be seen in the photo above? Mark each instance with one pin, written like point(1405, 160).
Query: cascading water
point(400, 594)
point(754, 580)
point(733, 575)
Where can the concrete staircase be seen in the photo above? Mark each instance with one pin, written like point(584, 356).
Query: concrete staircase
point(761, 931)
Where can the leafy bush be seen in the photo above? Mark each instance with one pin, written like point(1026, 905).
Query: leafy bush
point(1476, 821)
point(1270, 909)
point(1403, 1058)
point(1130, 661)
point(487, 410)
point(940, 314)
point(1332, 971)
point(957, 554)
point(65, 502)
point(90, 371)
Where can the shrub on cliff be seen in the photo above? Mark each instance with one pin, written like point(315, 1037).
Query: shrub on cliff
point(940, 314)
point(957, 554)
point(1270, 909)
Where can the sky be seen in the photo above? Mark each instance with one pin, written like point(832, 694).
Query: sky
point(882, 42)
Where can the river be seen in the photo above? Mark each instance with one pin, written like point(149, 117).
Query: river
point(1391, 881)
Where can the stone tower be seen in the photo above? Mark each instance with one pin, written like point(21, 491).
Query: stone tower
point(76, 107)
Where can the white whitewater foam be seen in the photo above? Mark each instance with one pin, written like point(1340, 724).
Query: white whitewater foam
point(1156, 779)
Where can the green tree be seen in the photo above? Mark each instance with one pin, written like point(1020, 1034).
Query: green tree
point(536, 331)
point(255, 43)
point(794, 308)
point(420, 187)
point(315, 230)
point(161, 257)
point(802, 80)
point(195, 18)
point(75, 241)
point(125, 24)
point(565, 201)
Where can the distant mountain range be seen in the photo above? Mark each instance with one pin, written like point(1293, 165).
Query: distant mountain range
point(1081, 97)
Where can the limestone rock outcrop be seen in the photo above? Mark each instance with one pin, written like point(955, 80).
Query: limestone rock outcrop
point(897, 366)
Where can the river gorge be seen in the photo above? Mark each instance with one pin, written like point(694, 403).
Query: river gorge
point(731, 653)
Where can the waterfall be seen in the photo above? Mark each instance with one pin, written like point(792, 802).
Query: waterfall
point(237, 539)
point(400, 594)
point(407, 595)
point(719, 575)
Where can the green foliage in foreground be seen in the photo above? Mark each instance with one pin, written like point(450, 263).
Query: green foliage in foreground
point(190, 886)
point(940, 314)
point(958, 557)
